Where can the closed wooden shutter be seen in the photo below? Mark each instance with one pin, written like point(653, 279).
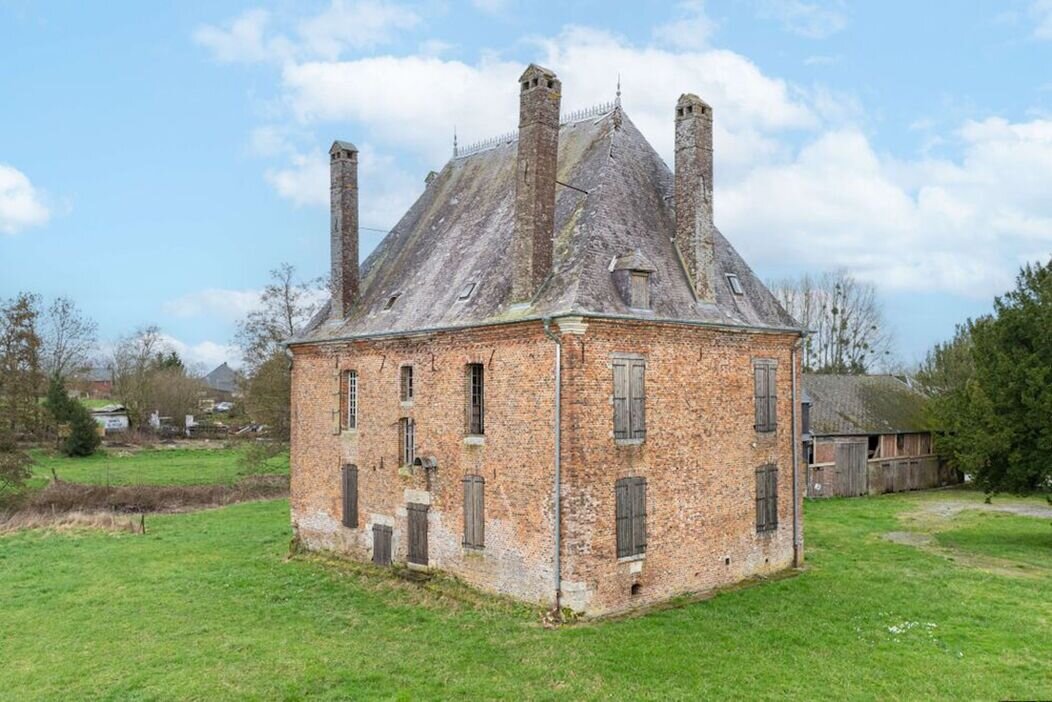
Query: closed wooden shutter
point(622, 428)
point(337, 416)
point(761, 499)
point(760, 395)
point(772, 398)
point(350, 496)
point(344, 393)
point(640, 290)
point(637, 390)
point(766, 498)
point(382, 544)
point(417, 518)
point(772, 497)
point(630, 516)
point(474, 511)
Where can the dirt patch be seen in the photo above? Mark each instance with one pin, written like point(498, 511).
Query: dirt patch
point(909, 538)
point(949, 508)
point(62, 496)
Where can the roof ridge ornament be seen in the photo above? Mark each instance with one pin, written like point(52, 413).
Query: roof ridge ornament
point(617, 98)
point(600, 110)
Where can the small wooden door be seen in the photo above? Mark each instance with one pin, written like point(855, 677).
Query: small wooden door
point(852, 478)
point(381, 544)
point(417, 514)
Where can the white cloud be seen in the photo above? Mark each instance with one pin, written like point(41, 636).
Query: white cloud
point(1041, 11)
point(358, 25)
point(491, 7)
point(954, 226)
point(21, 205)
point(814, 20)
point(204, 356)
point(691, 31)
point(228, 305)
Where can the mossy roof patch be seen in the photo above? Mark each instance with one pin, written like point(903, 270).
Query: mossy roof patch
point(864, 404)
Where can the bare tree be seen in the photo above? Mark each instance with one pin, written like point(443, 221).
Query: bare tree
point(68, 339)
point(285, 306)
point(848, 330)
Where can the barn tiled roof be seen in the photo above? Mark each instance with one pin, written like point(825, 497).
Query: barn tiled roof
point(618, 203)
point(864, 404)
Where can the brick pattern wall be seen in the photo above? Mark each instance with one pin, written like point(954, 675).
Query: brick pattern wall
point(699, 457)
point(515, 458)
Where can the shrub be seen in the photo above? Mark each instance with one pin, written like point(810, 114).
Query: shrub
point(83, 436)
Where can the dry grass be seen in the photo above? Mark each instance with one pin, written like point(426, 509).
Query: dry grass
point(72, 521)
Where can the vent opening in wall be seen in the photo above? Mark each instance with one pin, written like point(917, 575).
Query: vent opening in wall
point(636, 589)
point(727, 560)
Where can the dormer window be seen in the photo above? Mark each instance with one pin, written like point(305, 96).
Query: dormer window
point(391, 300)
point(465, 292)
point(736, 285)
point(640, 290)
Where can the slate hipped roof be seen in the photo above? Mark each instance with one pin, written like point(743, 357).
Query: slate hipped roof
point(847, 405)
point(223, 378)
point(460, 231)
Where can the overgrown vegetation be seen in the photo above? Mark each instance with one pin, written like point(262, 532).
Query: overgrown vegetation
point(992, 388)
point(214, 609)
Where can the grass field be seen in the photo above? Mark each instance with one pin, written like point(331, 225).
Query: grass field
point(162, 466)
point(207, 605)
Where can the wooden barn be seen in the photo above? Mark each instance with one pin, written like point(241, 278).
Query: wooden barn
point(866, 435)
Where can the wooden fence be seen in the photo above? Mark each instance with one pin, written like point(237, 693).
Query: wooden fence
point(845, 478)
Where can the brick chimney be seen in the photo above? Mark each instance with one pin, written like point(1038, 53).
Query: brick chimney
point(539, 96)
point(343, 172)
point(694, 223)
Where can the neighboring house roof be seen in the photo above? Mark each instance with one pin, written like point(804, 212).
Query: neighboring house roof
point(460, 232)
point(223, 379)
point(98, 375)
point(864, 404)
point(110, 409)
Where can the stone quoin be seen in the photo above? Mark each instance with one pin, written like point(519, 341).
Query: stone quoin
point(599, 410)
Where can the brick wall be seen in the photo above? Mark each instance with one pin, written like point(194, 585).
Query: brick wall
point(699, 457)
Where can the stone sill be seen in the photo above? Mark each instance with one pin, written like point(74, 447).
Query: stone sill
point(416, 566)
point(630, 559)
point(406, 404)
point(349, 432)
point(629, 442)
point(475, 440)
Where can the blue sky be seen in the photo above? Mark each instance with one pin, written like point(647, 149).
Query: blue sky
point(156, 161)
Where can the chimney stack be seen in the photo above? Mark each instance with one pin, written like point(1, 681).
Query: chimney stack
point(694, 222)
point(343, 173)
point(539, 95)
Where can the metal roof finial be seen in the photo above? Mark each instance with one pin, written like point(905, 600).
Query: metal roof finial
point(617, 100)
point(454, 141)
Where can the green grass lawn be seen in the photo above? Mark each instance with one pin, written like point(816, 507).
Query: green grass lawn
point(207, 606)
point(162, 466)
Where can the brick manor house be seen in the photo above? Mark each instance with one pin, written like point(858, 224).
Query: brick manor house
point(554, 378)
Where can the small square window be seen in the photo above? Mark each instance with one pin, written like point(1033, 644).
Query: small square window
point(465, 292)
point(736, 285)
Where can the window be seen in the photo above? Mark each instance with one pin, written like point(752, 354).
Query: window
point(767, 498)
point(350, 496)
point(476, 399)
point(349, 397)
point(640, 290)
point(474, 511)
point(390, 301)
point(631, 497)
point(407, 384)
point(736, 285)
point(406, 441)
point(900, 444)
point(629, 398)
point(805, 417)
point(766, 395)
point(465, 292)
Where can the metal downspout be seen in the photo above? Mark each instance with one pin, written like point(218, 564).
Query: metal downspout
point(557, 492)
point(797, 546)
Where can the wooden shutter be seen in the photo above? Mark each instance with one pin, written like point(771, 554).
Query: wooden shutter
point(772, 497)
point(761, 499)
point(639, 515)
point(350, 496)
point(772, 398)
point(401, 440)
point(344, 410)
point(417, 518)
point(381, 544)
point(760, 396)
point(621, 399)
point(640, 290)
point(474, 511)
point(337, 417)
point(637, 405)
point(623, 518)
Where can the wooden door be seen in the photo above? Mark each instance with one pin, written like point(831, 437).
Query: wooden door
point(852, 478)
point(417, 514)
point(381, 544)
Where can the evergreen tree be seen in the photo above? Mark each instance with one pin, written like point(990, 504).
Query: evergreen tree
point(58, 401)
point(83, 435)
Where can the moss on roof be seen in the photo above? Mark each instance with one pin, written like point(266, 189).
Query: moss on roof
point(864, 404)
